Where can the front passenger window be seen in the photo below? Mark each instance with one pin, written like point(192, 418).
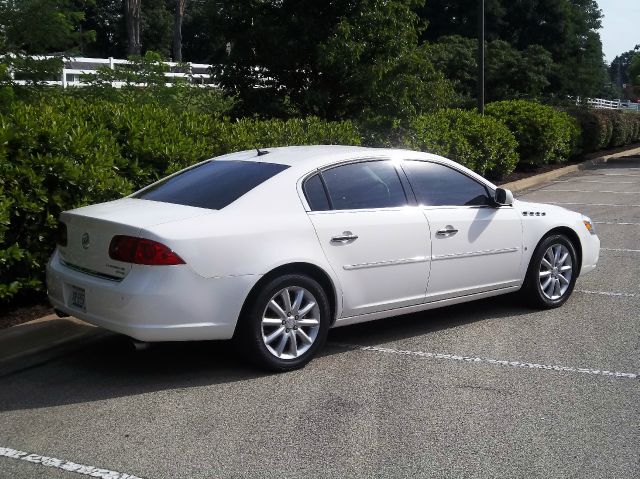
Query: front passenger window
point(438, 185)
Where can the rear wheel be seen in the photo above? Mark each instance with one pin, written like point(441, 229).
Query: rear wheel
point(552, 273)
point(286, 323)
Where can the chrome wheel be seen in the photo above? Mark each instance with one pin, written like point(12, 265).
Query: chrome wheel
point(556, 270)
point(290, 322)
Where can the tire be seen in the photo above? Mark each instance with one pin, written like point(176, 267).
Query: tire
point(276, 341)
point(550, 278)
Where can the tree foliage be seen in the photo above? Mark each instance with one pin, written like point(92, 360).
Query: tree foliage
point(566, 29)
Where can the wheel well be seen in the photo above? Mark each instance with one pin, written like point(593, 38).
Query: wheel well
point(308, 269)
point(573, 237)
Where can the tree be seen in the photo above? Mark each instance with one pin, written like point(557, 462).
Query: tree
point(634, 69)
point(132, 17)
point(567, 29)
point(619, 68)
point(509, 73)
point(333, 59)
point(177, 30)
point(44, 26)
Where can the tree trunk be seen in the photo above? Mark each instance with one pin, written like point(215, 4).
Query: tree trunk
point(132, 16)
point(177, 30)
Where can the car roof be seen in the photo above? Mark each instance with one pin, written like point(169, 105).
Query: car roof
point(305, 159)
point(312, 157)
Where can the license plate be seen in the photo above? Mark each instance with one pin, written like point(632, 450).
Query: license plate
point(77, 298)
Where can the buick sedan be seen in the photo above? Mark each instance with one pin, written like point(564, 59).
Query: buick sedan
point(273, 247)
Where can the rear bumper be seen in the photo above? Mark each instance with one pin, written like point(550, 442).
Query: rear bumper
point(153, 303)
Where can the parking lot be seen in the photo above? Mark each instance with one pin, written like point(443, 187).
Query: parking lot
point(485, 389)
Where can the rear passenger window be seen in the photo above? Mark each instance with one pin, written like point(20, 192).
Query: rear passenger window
point(439, 185)
point(316, 196)
point(371, 184)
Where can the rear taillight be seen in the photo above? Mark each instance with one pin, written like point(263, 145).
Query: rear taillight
point(129, 249)
point(61, 234)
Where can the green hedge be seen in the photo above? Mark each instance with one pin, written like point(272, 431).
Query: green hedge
point(544, 134)
point(66, 153)
point(482, 144)
point(606, 128)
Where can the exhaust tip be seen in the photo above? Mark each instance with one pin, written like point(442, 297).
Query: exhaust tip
point(60, 314)
point(139, 345)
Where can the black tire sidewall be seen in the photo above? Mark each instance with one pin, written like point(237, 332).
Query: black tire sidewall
point(251, 330)
point(534, 289)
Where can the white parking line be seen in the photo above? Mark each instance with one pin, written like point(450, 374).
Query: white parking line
point(589, 191)
point(614, 223)
point(593, 204)
point(64, 465)
point(621, 249)
point(499, 362)
point(607, 293)
point(580, 180)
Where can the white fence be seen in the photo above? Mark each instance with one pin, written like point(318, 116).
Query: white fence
point(609, 104)
point(75, 68)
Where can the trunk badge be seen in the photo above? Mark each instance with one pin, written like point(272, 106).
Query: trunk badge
point(85, 240)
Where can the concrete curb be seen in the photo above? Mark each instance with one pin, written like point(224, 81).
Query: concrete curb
point(35, 342)
point(537, 180)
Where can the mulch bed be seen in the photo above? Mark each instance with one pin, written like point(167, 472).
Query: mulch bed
point(23, 313)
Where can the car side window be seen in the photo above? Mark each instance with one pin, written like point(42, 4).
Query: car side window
point(370, 184)
point(438, 185)
point(315, 194)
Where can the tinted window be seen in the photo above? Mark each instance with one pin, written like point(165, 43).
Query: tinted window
point(373, 184)
point(316, 196)
point(437, 185)
point(212, 185)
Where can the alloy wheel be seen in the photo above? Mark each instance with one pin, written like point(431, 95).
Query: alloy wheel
point(556, 270)
point(290, 322)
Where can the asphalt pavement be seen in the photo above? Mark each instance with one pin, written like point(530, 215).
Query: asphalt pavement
point(481, 390)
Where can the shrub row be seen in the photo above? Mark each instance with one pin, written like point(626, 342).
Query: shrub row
point(544, 134)
point(606, 128)
point(478, 142)
point(66, 153)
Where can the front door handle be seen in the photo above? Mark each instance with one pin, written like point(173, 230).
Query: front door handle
point(345, 237)
point(447, 231)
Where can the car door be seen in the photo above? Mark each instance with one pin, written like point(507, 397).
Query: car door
point(377, 245)
point(476, 246)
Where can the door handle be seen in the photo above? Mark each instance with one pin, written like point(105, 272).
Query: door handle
point(447, 231)
point(345, 237)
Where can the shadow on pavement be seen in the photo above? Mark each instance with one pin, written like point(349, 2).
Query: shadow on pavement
point(112, 368)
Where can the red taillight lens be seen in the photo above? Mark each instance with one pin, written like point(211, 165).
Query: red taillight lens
point(61, 234)
point(129, 249)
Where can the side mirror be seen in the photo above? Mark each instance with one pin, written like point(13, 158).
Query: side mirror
point(504, 197)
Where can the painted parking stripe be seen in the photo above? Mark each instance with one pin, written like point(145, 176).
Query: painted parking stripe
point(498, 362)
point(580, 180)
point(607, 293)
point(599, 191)
point(593, 204)
point(64, 465)
point(621, 249)
point(616, 223)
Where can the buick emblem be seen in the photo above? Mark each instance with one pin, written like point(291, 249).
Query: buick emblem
point(85, 240)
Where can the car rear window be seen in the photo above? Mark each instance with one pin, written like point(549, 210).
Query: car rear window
point(211, 185)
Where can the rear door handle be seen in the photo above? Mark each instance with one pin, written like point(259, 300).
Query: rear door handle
point(345, 237)
point(447, 231)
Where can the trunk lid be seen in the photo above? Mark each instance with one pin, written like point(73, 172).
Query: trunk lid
point(90, 230)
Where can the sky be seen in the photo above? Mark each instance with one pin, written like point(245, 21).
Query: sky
point(620, 26)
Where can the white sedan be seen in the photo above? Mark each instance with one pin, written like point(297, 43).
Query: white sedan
point(274, 247)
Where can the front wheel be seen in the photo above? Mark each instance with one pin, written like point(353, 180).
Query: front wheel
point(552, 273)
point(286, 323)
